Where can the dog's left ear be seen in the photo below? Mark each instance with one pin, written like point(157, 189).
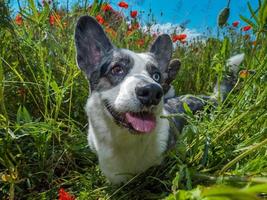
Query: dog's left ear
point(162, 50)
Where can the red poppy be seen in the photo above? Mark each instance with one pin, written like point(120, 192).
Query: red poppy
point(134, 13)
point(136, 26)
point(100, 19)
point(111, 31)
point(140, 42)
point(254, 43)
point(63, 195)
point(235, 23)
point(180, 37)
point(123, 4)
point(246, 28)
point(106, 8)
point(244, 73)
point(19, 19)
point(52, 20)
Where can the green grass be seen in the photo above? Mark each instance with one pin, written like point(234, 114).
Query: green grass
point(220, 155)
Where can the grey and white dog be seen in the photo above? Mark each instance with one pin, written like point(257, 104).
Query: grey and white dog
point(128, 93)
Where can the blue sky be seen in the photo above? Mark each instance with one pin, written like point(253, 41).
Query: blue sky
point(198, 15)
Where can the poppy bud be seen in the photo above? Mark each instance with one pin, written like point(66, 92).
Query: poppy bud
point(223, 16)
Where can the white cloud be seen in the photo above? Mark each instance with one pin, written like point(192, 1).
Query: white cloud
point(170, 28)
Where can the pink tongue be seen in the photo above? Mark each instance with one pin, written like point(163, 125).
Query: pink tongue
point(144, 122)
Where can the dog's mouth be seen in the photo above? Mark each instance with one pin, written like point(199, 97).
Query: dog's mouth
point(136, 122)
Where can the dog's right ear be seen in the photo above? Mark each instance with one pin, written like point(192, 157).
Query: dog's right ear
point(92, 44)
point(170, 74)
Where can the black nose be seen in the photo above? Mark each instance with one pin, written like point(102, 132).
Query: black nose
point(149, 94)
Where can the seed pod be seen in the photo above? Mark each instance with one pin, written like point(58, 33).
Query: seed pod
point(223, 16)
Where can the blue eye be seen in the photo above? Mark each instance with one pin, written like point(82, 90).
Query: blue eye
point(156, 76)
point(117, 70)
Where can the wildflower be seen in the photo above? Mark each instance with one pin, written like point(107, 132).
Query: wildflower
point(100, 19)
point(111, 31)
point(106, 8)
point(254, 43)
point(52, 20)
point(246, 28)
point(223, 16)
point(21, 92)
point(140, 42)
point(235, 23)
point(246, 37)
point(135, 26)
point(133, 13)
point(19, 19)
point(180, 37)
point(63, 195)
point(123, 4)
point(244, 73)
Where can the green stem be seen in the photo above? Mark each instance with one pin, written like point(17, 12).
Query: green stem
point(241, 156)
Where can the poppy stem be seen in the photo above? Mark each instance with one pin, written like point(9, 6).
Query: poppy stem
point(228, 3)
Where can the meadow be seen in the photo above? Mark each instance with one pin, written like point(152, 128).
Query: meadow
point(221, 154)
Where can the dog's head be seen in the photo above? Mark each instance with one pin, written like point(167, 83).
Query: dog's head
point(130, 85)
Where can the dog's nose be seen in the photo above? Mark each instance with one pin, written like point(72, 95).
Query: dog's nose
point(149, 94)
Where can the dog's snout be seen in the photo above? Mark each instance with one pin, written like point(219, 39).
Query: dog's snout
point(149, 94)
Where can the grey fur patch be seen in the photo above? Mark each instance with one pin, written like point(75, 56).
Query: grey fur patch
point(106, 79)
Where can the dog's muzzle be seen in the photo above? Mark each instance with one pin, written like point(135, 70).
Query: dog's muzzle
point(149, 94)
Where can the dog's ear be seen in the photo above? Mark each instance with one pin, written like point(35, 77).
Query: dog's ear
point(170, 74)
point(92, 44)
point(162, 50)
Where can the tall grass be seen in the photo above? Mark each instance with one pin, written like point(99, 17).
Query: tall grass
point(220, 154)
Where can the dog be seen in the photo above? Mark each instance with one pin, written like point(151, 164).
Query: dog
point(128, 93)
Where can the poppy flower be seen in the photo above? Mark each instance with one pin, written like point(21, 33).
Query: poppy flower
point(180, 37)
point(19, 19)
point(244, 73)
point(140, 42)
point(134, 13)
point(111, 31)
point(246, 28)
point(254, 43)
point(123, 4)
point(235, 23)
point(135, 26)
point(100, 19)
point(106, 8)
point(53, 19)
point(63, 195)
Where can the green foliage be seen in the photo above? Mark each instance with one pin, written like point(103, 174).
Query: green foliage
point(221, 154)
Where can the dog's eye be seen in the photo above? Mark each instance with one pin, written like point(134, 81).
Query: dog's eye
point(117, 70)
point(156, 77)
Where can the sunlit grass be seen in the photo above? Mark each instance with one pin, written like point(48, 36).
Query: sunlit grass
point(43, 126)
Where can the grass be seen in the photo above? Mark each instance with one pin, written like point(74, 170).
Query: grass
point(43, 147)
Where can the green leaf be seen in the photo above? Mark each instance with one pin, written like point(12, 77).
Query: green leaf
point(249, 22)
point(187, 109)
point(23, 116)
point(253, 14)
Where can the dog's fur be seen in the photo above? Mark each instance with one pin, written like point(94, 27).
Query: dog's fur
point(114, 75)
